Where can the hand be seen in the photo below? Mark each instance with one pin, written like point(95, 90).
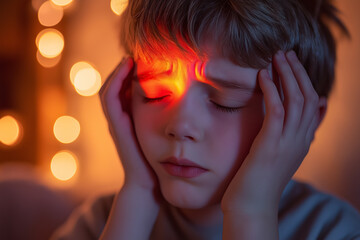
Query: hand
point(282, 142)
point(137, 201)
point(137, 171)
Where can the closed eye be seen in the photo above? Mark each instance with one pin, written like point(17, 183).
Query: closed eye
point(226, 109)
point(216, 105)
point(151, 100)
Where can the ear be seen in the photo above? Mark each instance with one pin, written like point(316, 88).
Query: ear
point(320, 113)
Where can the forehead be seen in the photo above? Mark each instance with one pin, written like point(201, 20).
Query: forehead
point(220, 73)
point(174, 59)
point(216, 66)
point(208, 48)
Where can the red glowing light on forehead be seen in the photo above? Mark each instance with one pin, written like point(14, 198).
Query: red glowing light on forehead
point(162, 77)
point(171, 77)
point(170, 72)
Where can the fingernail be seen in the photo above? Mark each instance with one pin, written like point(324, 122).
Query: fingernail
point(280, 55)
point(291, 54)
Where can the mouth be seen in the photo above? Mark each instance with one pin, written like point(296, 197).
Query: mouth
point(183, 168)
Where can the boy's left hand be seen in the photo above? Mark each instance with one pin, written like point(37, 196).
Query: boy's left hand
point(282, 142)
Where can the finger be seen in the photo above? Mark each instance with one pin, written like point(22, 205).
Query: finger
point(311, 98)
point(294, 100)
point(111, 76)
point(120, 125)
point(272, 128)
point(109, 93)
point(113, 83)
point(105, 84)
point(275, 78)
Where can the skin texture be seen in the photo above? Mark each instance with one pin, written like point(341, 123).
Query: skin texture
point(268, 147)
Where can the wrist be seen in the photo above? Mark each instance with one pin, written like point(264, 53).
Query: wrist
point(250, 220)
point(139, 207)
point(250, 206)
point(250, 225)
point(251, 212)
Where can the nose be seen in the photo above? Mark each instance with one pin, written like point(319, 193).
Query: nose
point(185, 121)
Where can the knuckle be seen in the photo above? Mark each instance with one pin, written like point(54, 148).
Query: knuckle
point(312, 102)
point(105, 104)
point(102, 97)
point(102, 91)
point(278, 111)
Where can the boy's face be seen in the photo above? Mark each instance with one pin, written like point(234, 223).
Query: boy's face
point(206, 112)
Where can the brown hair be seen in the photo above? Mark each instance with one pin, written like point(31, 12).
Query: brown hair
point(250, 32)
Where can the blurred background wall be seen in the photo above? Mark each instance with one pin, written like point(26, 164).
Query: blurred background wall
point(333, 163)
point(54, 57)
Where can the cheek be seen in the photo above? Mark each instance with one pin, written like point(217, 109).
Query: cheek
point(142, 124)
point(250, 125)
point(146, 129)
point(233, 138)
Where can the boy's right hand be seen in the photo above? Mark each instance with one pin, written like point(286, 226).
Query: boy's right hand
point(137, 171)
point(137, 201)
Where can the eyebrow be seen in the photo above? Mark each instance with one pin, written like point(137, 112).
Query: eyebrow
point(210, 80)
point(230, 84)
point(148, 75)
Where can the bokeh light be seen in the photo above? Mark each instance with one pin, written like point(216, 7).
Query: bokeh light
point(118, 6)
point(61, 3)
point(85, 78)
point(50, 42)
point(47, 62)
point(10, 130)
point(64, 165)
point(66, 129)
point(50, 14)
point(76, 68)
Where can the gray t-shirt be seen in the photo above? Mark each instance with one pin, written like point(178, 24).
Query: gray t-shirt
point(304, 213)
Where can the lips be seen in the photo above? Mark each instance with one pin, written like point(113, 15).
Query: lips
point(183, 168)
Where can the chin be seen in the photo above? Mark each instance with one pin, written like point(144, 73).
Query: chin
point(186, 196)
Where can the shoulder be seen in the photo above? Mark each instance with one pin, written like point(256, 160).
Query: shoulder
point(88, 221)
point(307, 213)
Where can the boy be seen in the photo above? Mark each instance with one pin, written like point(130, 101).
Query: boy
point(218, 106)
